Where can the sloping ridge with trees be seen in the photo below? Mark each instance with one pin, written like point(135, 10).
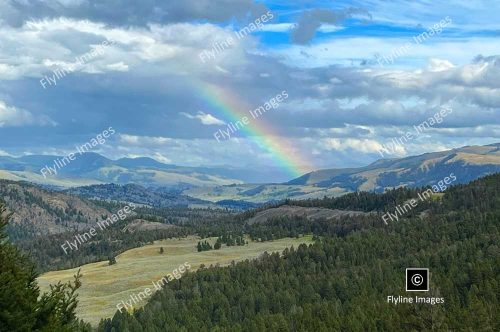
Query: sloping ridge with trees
point(342, 281)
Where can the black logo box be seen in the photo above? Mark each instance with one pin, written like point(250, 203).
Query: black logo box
point(417, 279)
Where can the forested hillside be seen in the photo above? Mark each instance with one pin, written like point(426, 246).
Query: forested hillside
point(48, 255)
point(155, 197)
point(343, 280)
point(36, 211)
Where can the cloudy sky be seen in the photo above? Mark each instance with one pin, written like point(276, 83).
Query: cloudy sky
point(167, 75)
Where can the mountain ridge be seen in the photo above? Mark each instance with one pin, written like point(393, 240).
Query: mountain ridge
point(226, 184)
point(92, 168)
point(467, 163)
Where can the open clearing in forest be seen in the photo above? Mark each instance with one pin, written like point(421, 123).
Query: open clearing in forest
point(103, 286)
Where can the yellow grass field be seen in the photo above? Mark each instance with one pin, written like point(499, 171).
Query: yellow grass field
point(104, 286)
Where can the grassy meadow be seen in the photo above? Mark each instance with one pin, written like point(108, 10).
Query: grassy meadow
point(103, 286)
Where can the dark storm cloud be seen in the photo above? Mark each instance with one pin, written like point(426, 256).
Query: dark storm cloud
point(129, 12)
point(311, 20)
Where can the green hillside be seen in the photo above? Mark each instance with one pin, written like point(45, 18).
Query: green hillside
point(343, 281)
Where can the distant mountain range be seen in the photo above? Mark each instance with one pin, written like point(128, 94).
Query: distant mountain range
point(148, 181)
point(467, 163)
point(49, 211)
point(92, 168)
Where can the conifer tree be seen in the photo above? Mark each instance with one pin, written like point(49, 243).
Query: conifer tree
point(21, 309)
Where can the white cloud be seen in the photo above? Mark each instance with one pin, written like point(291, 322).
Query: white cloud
point(205, 118)
point(39, 47)
point(5, 153)
point(144, 140)
point(119, 66)
point(361, 145)
point(161, 158)
point(11, 116)
point(287, 27)
point(329, 28)
point(437, 65)
point(278, 27)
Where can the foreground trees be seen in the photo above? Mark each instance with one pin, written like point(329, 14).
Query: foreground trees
point(21, 309)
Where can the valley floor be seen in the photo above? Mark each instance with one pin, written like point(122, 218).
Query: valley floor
point(104, 286)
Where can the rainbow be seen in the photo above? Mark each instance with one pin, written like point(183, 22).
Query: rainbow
point(227, 104)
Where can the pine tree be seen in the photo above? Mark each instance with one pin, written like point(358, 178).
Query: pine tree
point(20, 308)
point(18, 289)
